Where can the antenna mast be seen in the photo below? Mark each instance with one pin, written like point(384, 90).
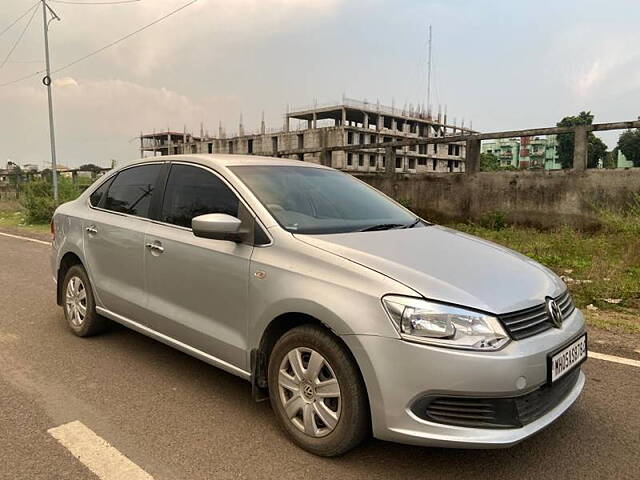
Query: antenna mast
point(429, 75)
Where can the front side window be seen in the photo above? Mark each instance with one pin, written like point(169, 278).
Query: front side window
point(193, 191)
point(316, 200)
point(132, 190)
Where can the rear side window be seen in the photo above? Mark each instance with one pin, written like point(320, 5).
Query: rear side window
point(97, 195)
point(132, 190)
point(193, 191)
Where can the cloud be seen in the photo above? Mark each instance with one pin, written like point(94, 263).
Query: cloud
point(65, 82)
point(585, 82)
point(98, 120)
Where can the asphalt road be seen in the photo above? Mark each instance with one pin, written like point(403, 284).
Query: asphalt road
point(179, 418)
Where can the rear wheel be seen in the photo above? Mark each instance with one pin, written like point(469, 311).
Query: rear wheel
point(79, 304)
point(317, 392)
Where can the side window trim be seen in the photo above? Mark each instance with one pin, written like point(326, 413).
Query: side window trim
point(155, 209)
point(110, 180)
point(257, 222)
point(196, 166)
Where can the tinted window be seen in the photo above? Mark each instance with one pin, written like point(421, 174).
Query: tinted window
point(192, 191)
point(314, 200)
point(97, 195)
point(132, 190)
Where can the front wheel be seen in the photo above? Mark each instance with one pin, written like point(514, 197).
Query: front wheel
point(317, 392)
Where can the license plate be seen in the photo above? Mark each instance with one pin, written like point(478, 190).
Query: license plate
point(565, 360)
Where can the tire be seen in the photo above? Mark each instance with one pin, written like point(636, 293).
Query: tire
point(318, 421)
point(79, 304)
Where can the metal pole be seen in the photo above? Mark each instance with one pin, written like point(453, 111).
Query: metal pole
point(47, 81)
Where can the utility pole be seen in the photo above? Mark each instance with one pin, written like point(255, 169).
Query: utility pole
point(429, 75)
point(47, 81)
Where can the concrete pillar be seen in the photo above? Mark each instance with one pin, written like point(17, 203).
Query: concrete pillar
point(390, 155)
point(314, 123)
point(380, 123)
point(580, 148)
point(325, 157)
point(286, 123)
point(394, 124)
point(344, 117)
point(473, 156)
point(365, 122)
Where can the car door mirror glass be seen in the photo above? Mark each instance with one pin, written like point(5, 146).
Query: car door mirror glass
point(218, 226)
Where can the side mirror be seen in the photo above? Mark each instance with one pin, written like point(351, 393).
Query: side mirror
point(218, 226)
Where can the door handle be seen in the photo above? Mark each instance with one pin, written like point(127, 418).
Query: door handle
point(155, 247)
point(92, 229)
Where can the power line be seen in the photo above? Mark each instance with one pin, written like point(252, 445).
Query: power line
point(17, 80)
point(15, 44)
point(117, 2)
point(19, 18)
point(102, 49)
point(64, 67)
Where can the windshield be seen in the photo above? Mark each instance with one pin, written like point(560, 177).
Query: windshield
point(315, 200)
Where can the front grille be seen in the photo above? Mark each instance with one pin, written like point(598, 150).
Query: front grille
point(531, 321)
point(471, 412)
point(511, 412)
point(535, 404)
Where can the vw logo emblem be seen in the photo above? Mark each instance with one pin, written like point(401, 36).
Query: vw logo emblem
point(555, 314)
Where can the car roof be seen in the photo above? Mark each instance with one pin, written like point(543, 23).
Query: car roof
point(224, 161)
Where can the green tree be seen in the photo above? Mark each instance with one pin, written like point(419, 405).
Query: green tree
point(90, 167)
point(489, 162)
point(597, 149)
point(629, 145)
point(611, 160)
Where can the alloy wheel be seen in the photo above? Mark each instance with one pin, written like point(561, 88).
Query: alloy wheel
point(76, 301)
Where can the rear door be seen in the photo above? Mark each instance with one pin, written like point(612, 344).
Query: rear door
point(114, 239)
point(198, 287)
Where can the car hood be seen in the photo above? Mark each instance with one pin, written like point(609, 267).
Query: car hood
point(448, 266)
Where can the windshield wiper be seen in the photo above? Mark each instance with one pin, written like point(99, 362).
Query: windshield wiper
point(413, 224)
point(382, 226)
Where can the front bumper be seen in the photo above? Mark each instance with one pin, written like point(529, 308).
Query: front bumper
point(397, 373)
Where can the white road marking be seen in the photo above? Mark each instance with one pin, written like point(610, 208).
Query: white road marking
point(96, 454)
point(25, 238)
point(612, 358)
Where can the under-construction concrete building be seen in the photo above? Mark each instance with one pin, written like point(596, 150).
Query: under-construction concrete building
point(350, 122)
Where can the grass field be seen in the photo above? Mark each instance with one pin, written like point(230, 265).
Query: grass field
point(12, 215)
point(602, 269)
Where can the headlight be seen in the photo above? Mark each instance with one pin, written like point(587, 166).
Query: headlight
point(438, 324)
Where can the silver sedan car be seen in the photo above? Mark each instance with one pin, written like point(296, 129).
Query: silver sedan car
point(352, 315)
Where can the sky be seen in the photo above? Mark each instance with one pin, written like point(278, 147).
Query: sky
point(503, 65)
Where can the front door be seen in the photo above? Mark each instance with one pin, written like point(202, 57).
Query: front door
point(114, 240)
point(198, 287)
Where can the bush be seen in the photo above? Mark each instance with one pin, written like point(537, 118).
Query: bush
point(405, 202)
point(37, 198)
point(494, 220)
